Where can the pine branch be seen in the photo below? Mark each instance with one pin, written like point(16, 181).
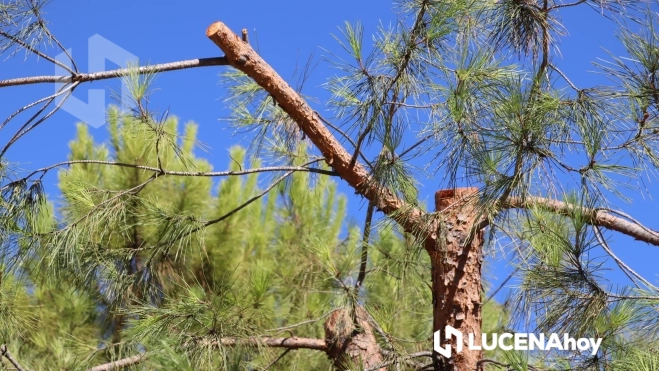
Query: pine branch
point(35, 51)
point(50, 97)
point(125, 362)
point(241, 56)
point(289, 343)
point(104, 75)
point(25, 128)
point(365, 242)
point(597, 217)
point(161, 172)
point(292, 342)
point(630, 273)
point(407, 57)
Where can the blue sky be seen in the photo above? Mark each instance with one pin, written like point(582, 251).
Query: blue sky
point(286, 33)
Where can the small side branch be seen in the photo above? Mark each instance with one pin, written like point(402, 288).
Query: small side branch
point(289, 343)
point(365, 242)
point(172, 172)
point(5, 353)
point(35, 51)
point(246, 203)
point(293, 342)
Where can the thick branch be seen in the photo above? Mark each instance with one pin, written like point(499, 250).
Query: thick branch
point(240, 55)
point(596, 217)
point(104, 75)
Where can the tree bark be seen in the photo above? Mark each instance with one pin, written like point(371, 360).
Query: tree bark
point(351, 346)
point(240, 55)
point(456, 257)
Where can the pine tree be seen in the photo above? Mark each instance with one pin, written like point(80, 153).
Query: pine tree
point(138, 279)
point(164, 271)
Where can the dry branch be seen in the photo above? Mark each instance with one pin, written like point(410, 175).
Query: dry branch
point(240, 55)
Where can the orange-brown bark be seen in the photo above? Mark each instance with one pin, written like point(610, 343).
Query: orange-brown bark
point(456, 252)
point(456, 260)
point(240, 55)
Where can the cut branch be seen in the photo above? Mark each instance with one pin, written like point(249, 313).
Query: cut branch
point(241, 56)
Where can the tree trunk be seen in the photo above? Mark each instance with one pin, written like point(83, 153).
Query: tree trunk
point(456, 258)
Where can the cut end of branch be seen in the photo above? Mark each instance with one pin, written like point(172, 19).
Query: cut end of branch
point(214, 28)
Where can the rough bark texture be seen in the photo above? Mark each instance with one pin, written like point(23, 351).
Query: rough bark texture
point(456, 266)
point(240, 55)
point(456, 261)
point(350, 345)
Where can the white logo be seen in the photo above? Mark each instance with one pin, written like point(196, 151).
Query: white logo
point(100, 49)
point(517, 341)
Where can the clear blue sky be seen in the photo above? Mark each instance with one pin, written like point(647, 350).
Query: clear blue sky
point(286, 33)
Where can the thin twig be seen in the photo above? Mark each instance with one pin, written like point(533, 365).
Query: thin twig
point(564, 77)
point(246, 203)
point(175, 173)
point(64, 50)
point(5, 353)
point(346, 136)
point(35, 51)
point(558, 6)
point(133, 191)
point(365, 242)
point(278, 358)
point(279, 330)
point(60, 92)
point(23, 130)
point(492, 295)
point(406, 105)
point(625, 268)
point(416, 145)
